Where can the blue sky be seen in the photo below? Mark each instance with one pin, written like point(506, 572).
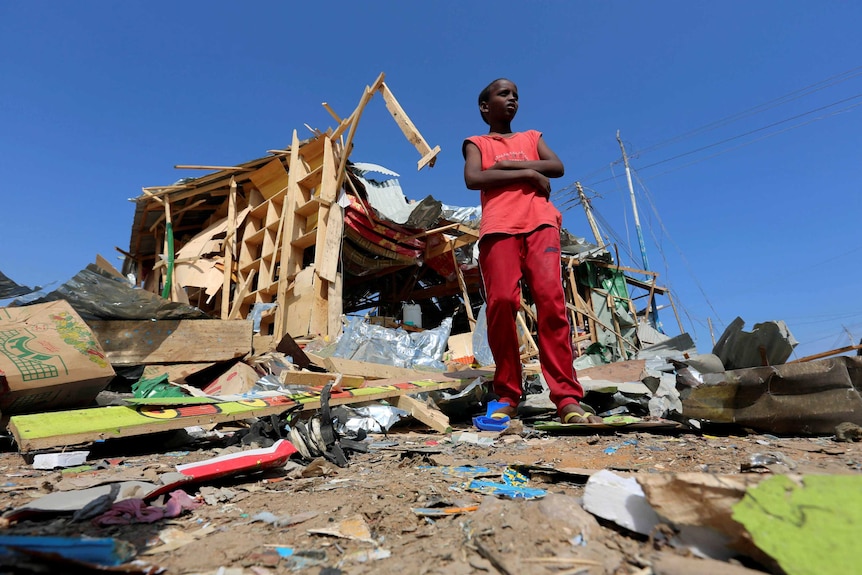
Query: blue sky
point(742, 120)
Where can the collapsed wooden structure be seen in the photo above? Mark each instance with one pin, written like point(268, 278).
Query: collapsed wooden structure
point(292, 241)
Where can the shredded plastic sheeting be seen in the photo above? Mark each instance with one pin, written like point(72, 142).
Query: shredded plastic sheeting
point(376, 344)
point(96, 295)
point(9, 288)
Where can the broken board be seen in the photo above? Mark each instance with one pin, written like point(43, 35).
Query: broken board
point(37, 431)
point(129, 342)
point(612, 423)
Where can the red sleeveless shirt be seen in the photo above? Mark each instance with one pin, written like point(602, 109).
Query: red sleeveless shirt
point(517, 208)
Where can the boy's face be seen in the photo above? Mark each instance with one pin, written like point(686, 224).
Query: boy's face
point(502, 103)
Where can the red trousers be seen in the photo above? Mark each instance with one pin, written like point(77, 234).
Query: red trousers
point(504, 260)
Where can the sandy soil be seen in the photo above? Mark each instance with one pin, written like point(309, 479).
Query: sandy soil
point(380, 489)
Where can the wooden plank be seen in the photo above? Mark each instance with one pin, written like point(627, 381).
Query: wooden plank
point(220, 168)
point(354, 122)
point(297, 304)
point(432, 417)
point(288, 263)
point(319, 323)
point(106, 266)
point(335, 306)
point(172, 341)
point(229, 250)
point(270, 179)
point(371, 370)
point(827, 353)
point(429, 156)
point(317, 379)
point(78, 427)
point(239, 296)
point(329, 254)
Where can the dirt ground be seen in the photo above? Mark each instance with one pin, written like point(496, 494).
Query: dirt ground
point(401, 472)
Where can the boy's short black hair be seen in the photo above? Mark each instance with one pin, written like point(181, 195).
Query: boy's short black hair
point(486, 93)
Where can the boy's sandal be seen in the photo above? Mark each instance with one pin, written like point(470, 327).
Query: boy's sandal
point(580, 417)
point(507, 412)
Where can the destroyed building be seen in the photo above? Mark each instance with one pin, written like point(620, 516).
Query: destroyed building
point(296, 239)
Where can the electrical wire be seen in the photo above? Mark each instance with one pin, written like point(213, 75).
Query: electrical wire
point(796, 94)
point(789, 97)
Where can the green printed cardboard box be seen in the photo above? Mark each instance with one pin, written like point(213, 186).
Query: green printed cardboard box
point(49, 359)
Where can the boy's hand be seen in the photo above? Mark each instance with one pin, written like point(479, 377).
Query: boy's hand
point(542, 183)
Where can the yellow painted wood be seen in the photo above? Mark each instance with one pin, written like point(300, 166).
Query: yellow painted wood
point(77, 427)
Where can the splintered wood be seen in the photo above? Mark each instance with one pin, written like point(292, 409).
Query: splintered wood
point(261, 240)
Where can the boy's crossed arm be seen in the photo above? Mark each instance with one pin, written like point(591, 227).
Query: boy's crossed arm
point(502, 173)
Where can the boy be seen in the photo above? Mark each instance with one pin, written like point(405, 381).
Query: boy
point(519, 238)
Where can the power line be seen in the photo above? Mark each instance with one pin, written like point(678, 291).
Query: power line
point(796, 94)
point(772, 125)
point(765, 136)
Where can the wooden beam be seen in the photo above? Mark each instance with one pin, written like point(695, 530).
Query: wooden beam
point(429, 156)
point(370, 370)
point(354, 122)
point(430, 416)
point(78, 427)
point(602, 264)
point(331, 112)
point(239, 296)
point(194, 167)
point(316, 379)
point(229, 250)
point(827, 353)
point(129, 342)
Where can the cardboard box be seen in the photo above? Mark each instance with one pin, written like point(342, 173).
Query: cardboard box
point(49, 359)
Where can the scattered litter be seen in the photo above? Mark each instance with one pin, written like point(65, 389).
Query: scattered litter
point(621, 500)
point(366, 555)
point(283, 520)
point(106, 552)
point(472, 437)
point(442, 511)
point(55, 460)
point(459, 471)
point(354, 528)
point(514, 486)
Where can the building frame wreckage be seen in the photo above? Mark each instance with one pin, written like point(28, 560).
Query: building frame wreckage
point(294, 240)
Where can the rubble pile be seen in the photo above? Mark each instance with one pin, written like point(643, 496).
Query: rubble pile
point(294, 354)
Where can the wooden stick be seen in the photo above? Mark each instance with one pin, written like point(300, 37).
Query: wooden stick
point(357, 113)
point(194, 167)
point(331, 112)
point(827, 353)
point(240, 295)
point(463, 286)
point(429, 232)
point(529, 337)
point(429, 156)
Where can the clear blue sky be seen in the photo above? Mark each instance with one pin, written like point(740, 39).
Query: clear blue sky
point(754, 216)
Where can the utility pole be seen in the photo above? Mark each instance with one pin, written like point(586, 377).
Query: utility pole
point(634, 204)
point(588, 208)
point(653, 314)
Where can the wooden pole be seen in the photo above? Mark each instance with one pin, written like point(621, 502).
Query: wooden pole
point(588, 209)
